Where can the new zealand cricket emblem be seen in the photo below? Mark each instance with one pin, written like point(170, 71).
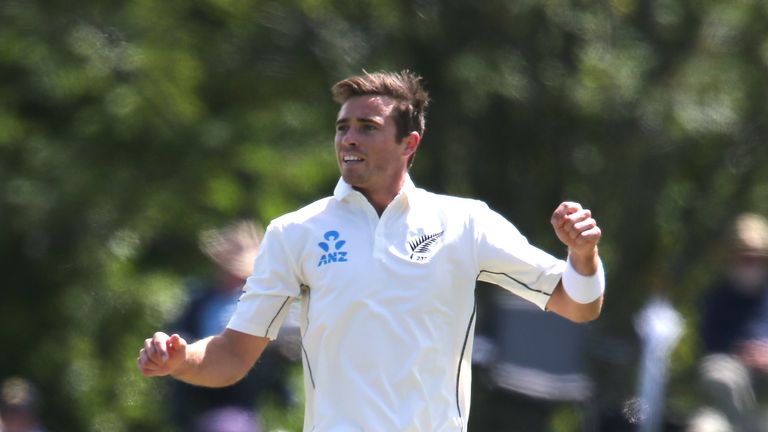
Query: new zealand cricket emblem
point(423, 247)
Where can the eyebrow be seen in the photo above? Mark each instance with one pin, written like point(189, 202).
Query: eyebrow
point(360, 119)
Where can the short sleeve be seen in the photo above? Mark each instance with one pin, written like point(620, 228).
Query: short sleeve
point(505, 258)
point(268, 293)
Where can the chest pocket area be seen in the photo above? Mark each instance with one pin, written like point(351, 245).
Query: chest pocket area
point(424, 238)
point(422, 247)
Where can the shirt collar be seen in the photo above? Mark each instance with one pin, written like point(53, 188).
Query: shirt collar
point(344, 189)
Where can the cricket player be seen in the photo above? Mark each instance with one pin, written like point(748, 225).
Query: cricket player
point(385, 275)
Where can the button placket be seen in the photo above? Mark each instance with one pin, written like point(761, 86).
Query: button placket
point(391, 213)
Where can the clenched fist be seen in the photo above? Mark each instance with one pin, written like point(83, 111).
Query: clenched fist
point(161, 354)
point(576, 228)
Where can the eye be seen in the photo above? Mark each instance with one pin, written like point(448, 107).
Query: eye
point(369, 127)
point(342, 128)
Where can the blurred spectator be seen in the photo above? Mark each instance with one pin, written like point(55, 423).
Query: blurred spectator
point(527, 365)
point(734, 332)
point(19, 406)
point(230, 409)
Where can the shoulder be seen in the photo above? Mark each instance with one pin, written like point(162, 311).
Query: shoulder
point(286, 236)
point(472, 215)
point(304, 215)
point(458, 214)
point(449, 203)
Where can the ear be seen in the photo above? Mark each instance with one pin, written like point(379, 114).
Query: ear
point(411, 142)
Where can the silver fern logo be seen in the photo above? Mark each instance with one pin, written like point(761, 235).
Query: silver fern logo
point(421, 247)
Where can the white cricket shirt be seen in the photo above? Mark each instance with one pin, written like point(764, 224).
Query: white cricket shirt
point(388, 304)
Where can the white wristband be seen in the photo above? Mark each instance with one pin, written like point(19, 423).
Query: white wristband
point(584, 289)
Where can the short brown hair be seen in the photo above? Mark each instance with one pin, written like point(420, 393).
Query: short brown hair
point(404, 87)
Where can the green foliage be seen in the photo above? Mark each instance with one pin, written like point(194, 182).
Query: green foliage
point(127, 127)
point(277, 418)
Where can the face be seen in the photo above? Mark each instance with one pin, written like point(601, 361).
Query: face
point(370, 158)
point(749, 272)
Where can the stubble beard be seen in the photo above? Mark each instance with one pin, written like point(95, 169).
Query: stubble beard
point(353, 179)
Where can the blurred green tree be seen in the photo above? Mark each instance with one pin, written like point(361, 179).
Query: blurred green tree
point(125, 127)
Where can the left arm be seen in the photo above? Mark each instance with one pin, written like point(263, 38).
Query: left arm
point(576, 228)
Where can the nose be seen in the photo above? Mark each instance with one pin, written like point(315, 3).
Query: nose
point(349, 138)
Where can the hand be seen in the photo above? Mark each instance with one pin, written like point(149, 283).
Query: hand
point(162, 354)
point(576, 228)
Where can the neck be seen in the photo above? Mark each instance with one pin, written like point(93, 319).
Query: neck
point(382, 196)
point(379, 200)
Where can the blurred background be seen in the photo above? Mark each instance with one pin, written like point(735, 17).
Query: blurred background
point(128, 127)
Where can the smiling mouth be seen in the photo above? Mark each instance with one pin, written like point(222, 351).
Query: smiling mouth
point(351, 159)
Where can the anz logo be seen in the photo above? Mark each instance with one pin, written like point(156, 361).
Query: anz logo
point(332, 242)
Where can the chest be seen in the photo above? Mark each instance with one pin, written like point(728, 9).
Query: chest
point(403, 261)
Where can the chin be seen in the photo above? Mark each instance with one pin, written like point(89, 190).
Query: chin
point(352, 180)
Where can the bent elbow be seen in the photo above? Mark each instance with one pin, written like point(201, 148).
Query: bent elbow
point(234, 379)
point(231, 378)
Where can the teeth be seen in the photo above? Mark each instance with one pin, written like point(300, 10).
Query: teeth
point(352, 158)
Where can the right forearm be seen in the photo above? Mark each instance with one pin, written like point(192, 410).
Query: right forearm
point(216, 361)
point(210, 363)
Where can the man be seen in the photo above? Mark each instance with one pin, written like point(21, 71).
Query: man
point(385, 273)
point(734, 330)
point(19, 406)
